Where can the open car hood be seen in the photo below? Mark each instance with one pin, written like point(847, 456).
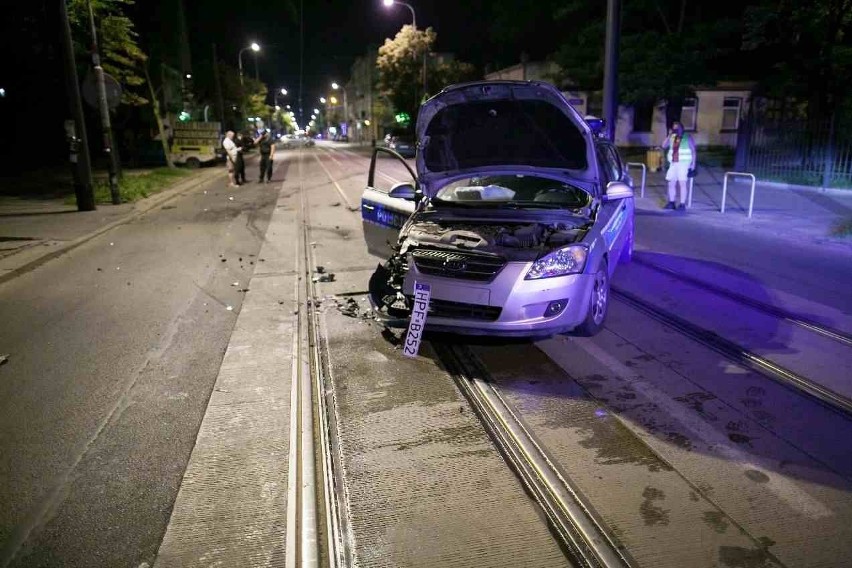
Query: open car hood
point(493, 126)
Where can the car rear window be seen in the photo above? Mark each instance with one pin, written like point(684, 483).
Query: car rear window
point(506, 132)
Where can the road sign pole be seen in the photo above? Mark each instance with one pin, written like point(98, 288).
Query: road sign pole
point(79, 141)
point(103, 106)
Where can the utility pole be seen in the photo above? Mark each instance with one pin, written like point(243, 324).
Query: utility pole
point(220, 103)
point(104, 108)
point(610, 95)
point(82, 170)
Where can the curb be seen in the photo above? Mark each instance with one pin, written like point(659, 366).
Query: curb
point(139, 209)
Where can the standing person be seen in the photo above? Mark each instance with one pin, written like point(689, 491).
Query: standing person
point(233, 153)
point(241, 163)
point(267, 151)
point(682, 159)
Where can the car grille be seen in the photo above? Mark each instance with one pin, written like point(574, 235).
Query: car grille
point(458, 264)
point(459, 310)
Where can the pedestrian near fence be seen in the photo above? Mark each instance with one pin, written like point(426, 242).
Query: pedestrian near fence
point(682, 158)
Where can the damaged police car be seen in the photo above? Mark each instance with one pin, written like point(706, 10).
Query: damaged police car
point(516, 218)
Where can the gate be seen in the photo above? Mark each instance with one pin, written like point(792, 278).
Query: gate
point(776, 146)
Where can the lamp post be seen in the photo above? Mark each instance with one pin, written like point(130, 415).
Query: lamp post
point(389, 3)
point(335, 86)
point(254, 47)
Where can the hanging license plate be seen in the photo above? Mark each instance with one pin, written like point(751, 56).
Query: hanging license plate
point(419, 311)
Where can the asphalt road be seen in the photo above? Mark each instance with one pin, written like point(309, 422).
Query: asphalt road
point(114, 350)
point(688, 458)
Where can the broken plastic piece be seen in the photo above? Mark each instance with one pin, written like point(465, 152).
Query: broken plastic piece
point(4, 359)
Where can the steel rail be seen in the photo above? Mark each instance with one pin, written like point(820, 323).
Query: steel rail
point(580, 531)
point(795, 319)
point(338, 551)
point(739, 354)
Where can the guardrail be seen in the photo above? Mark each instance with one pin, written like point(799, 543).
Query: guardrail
point(725, 190)
point(644, 174)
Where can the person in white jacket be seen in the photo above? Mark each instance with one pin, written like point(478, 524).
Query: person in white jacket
point(232, 151)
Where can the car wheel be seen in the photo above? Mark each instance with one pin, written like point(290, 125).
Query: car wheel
point(627, 251)
point(598, 305)
point(193, 163)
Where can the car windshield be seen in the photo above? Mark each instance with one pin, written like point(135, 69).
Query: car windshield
point(518, 191)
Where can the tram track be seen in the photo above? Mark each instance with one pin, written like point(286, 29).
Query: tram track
point(796, 319)
point(572, 519)
point(317, 527)
point(738, 354)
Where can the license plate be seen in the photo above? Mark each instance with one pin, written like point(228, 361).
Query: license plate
point(419, 311)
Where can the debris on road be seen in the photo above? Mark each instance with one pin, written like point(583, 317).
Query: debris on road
point(4, 359)
point(235, 284)
point(324, 277)
point(229, 308)
point(320, 269)
point(231, 198)
point(336, 204)
point(349, 307)
point(244, 290)
point(112, 244)
point(224, 260)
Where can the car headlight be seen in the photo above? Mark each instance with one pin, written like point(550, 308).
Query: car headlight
point(567, 260)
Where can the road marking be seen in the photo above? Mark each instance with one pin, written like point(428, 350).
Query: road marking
point(779, 485)
point(336, 186)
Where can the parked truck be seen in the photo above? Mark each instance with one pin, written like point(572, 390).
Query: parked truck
point(195, 143)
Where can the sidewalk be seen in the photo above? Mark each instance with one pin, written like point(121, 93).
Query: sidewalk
point(796, 214)
point(34, 231)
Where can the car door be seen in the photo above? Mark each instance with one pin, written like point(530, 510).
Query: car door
point(387, 202)
point(616, 214)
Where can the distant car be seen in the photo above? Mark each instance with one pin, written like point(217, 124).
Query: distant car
point(296, 141)
point(516, 218)
point(403, 144)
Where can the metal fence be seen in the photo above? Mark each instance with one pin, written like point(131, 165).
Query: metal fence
point(797, 150)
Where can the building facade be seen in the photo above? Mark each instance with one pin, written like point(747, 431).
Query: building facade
point(712, 116)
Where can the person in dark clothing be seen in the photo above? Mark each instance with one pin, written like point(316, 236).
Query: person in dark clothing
point(267, 152)
point(240, 166)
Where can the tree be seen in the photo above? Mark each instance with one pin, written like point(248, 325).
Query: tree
point(400, 64)
point(805, 50)
point(668, 47)
point(121, 56)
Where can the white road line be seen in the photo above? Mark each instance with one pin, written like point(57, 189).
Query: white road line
point(779, 485)
point(336, 185)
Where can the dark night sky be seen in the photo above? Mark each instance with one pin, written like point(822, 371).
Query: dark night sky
point(335, 32)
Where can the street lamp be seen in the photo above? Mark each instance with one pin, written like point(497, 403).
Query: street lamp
point(335, 86)
point(254, 47)
point(322, 100)
point(388, 4)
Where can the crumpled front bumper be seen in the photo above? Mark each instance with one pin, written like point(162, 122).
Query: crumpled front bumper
point(522, 303)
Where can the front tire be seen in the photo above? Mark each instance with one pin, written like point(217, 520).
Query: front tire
point(598, 305)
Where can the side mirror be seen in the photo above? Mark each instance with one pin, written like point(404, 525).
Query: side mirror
point(403, 191)
point(617, 190)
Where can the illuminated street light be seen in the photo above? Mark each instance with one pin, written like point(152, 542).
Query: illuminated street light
point(316, 111)
point(322, 100)
point(283, 91)
point(333, 100)
point(254, 47)
point(189, 75)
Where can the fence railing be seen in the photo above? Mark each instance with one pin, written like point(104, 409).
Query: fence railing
point(800, 151)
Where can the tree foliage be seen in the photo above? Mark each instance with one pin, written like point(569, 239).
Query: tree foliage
point(121, 56)
point(667, 47)
point(400, 64)
point(804, 49)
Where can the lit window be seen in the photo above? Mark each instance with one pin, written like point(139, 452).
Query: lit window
point(731, 113)
point(689, 114)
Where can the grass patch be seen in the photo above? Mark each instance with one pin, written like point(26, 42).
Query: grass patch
point(136, 185)
point(842, 228)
